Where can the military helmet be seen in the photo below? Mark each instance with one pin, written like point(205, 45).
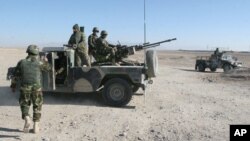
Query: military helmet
point(76, 26)
point(32, 49)
point(95, 29)
point(104, 32)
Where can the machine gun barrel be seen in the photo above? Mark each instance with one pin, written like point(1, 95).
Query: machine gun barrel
point(157, 43)
point(151, 46)
point(70, 46)
point(67, 45)
point(125, 51)
point(148, 45)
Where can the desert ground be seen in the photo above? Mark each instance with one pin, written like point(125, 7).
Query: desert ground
point(181, 105)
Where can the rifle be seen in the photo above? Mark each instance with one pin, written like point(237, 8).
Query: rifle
point(74, 46)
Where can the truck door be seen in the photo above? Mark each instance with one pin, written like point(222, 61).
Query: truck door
point(48, 78)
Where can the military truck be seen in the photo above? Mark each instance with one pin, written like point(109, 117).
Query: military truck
point(117, 83)
point(221, 60)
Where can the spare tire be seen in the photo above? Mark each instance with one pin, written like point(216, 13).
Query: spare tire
point(152, 63)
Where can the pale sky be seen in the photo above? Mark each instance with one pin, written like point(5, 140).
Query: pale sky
point(197, 24)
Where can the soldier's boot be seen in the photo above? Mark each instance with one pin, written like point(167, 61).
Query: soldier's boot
point(27, 123)
point(36, 127)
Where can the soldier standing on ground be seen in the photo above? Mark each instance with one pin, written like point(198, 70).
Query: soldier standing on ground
point(28, 72)
point(92, 42)
point(77, 41)
point(105, 52)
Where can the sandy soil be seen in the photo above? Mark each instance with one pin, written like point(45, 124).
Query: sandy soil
point(182, 104)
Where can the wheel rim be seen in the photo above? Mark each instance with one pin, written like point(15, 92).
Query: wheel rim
point(226, 68)
point(117, 92)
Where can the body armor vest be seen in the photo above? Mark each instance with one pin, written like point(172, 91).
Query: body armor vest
point(30, 72)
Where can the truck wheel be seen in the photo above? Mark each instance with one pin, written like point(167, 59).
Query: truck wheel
point(152, 63)
point(201, 67)
point(213, 69)
point(135, 88)
point(227, 68)
point(117, 92)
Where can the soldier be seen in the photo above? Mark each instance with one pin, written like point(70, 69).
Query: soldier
point(105, 52)
point(28, 71)
point(92, 42)
point(216, 52)
point(61, 68)
point(77, 41)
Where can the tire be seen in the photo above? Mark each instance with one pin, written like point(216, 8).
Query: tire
point(117, 92)
point(201, 67)
point(135, 88)
point(152, 63)
point(227, 68)
point(213, 65)
point(213, 69)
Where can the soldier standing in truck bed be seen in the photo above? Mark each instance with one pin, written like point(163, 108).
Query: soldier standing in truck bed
point(77, 40)
point(216, 52)
point(29, 73)
point(92, 43)
point(61, 68)
point(105, 52)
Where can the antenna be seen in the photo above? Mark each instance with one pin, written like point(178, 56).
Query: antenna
point(145, 49)
point(145, 38)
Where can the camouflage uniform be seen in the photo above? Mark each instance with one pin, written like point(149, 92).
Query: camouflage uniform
point(29, 72)
point(216, 52)
point(92, 41)
point(81, 53)
point(105, 52)
point(61, 69)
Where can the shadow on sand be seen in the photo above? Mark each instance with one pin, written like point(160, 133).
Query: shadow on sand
point(8, 98)
point(87, 99)
point(9, 130)
point(9, 136)
point(192, 70)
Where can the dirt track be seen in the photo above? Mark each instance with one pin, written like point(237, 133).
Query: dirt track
point(182, 104)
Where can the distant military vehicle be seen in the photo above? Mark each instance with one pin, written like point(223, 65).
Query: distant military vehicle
point(117, 83)
point(217, 60)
